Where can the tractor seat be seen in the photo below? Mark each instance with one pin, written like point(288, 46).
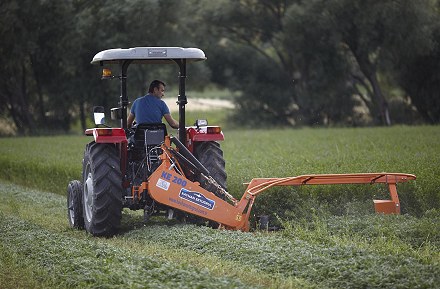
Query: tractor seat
point(151, 134)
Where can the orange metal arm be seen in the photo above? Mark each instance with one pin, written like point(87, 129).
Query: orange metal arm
point(392, 206)
point(259, 185)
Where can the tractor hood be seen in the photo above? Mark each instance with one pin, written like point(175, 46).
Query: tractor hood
point(148, 55)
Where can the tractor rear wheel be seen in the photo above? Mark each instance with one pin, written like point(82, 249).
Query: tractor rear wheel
point(210, 156)
point(102, 193)
point(74, 204)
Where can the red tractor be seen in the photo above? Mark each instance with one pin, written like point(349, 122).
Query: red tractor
point(121, 159)
point(184, 177)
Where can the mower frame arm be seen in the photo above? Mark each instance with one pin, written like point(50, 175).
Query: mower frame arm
point(258, 185)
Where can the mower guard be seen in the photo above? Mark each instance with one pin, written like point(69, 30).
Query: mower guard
point(167, 185)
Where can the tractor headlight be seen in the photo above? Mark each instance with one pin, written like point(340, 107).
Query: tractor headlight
point(201, 122)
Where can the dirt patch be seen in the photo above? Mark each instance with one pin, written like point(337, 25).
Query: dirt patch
point(7, 127)
point(199, 104)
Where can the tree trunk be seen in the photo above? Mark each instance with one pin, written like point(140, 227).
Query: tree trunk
point(13, 112)
point(28, 121)
point(39, 92)
point(380, 99)
point(369, 70)
point(82, 115)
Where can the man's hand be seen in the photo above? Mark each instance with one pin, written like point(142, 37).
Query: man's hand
point(171, 121)
point(130, 120)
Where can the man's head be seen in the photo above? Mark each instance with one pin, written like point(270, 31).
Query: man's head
point(157, 88)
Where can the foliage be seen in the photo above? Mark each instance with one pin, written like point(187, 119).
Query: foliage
point(418, 76)
point(335, 52)
point(47, 81)
point(293, 62)
point(34, 39)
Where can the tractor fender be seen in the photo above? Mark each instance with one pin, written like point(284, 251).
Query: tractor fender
point(114, 136)
point(203, 134)
point(107, 135)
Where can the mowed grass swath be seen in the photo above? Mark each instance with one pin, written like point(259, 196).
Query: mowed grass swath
point(38, 249)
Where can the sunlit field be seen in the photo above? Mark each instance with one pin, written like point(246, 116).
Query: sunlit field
point(330, 236)
point(48, 163)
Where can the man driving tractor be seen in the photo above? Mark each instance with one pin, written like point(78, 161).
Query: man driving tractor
point(151, 108)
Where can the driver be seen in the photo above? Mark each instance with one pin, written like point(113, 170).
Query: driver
point(151, 108)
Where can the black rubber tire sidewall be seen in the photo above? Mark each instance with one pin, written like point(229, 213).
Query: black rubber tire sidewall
point(210, 156)
point(103, 163)
point(74, 204)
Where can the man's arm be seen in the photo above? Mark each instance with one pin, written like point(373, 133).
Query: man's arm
point(171, 121)
point(130, 120)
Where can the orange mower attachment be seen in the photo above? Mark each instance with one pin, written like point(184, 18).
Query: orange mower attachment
point(169, 186)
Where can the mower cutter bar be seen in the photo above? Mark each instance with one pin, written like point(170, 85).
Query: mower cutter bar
point(258, 185)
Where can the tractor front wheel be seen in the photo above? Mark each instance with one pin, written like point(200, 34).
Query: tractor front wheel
point(102, 193)
point(74, 204)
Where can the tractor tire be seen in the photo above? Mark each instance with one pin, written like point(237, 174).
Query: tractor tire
point(102, 193)
point(74, 205)
point(210, 156)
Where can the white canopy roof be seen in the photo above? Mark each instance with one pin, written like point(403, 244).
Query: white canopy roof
point(148, 55)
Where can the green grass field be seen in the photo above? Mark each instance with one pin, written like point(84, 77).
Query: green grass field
point(331, 236)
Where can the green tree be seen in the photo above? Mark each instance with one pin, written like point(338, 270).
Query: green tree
point(294, 62)
point(420, 78)
point(372, 32)
point(108, 24)
point(15, 63)
point(287, 66)
point(416, 66)
point(338, 53)
point(34, 35)
point(47, 80)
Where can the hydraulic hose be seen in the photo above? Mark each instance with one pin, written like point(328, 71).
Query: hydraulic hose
point(188, 158)
point(187, 154)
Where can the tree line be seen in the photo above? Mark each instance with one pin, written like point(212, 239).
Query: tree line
point(293, 62)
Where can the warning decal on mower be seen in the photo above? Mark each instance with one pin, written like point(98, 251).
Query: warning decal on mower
point(164, 185)
point(197, 198)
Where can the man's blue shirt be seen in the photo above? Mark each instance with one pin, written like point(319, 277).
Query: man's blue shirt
point(149, 109)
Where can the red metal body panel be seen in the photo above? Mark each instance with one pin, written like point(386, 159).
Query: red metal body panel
point(195, 134)
point(114, 136)
point(107, 135)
